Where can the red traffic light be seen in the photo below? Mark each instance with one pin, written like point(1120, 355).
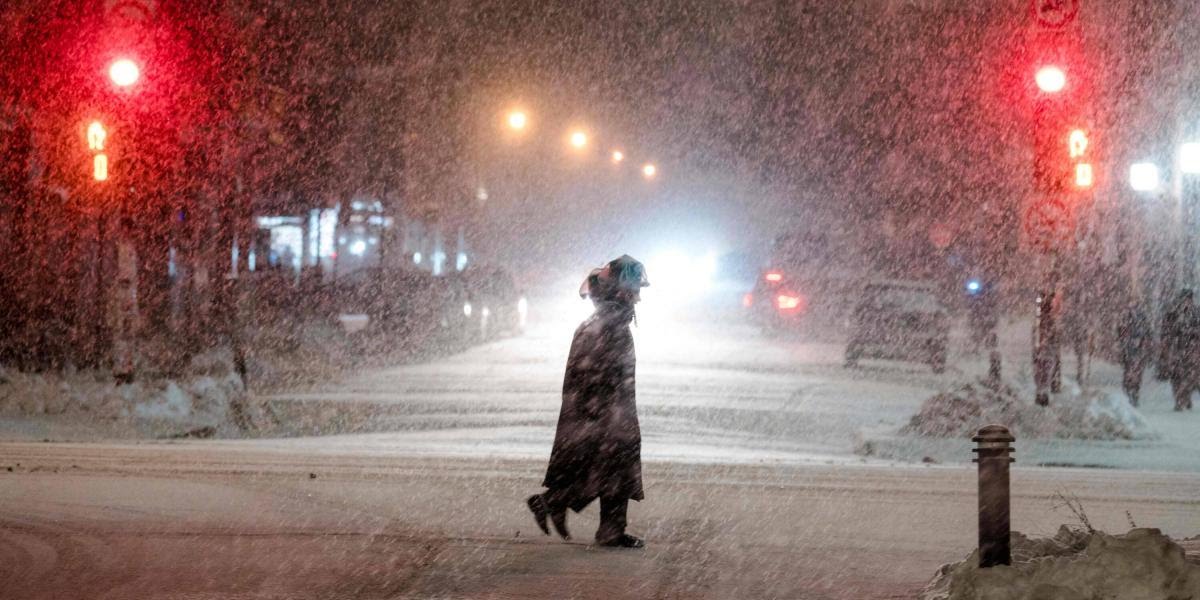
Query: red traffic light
point(1050, 79)
point(124, 72)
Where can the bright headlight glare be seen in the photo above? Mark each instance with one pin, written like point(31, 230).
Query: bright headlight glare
point(467, 309)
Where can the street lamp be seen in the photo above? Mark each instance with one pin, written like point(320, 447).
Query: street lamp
point(618, 156)
point(578, 139)
point(517, 120)
point(1050, 79)
point(649, 170)
point(124, 72)
point(1189, 158)
point(1143, 177)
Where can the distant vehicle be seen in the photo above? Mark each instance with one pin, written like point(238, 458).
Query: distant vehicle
point(809, 283)
point(412, 307)
point(497, 306)
point(899, 320)
point(777, 302)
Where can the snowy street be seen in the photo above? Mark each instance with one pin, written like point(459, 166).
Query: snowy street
point(707, 392)
point(753, 487)
point(240, 520)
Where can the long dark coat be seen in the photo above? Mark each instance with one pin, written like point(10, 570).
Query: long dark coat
point(598, 446)
point(1181, 344)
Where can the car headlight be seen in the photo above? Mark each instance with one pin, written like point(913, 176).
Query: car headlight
point(467, 309)
point(522, 306)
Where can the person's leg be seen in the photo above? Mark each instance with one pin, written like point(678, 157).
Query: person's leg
point(1132, 381)
point(612, 519)
point(557, 502)
point(1181, 391)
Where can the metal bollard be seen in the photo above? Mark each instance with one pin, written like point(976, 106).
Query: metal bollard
point(994, 457)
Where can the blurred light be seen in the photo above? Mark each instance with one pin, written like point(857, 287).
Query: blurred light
point(517, 120)
point(973, 286)
point(1143, 177)
point(649, 171)
point(460, 261)
point(1050, 79)
point(748, 300)
point(124, 72)
point(358, 247)
point(618, 156)
point(774, 277)
point(1077, 143)
point(789, 302)
point(578, 139)
point(1084, 177)
point(467, 309)
point(1189, 158)
point(417, 258)
point(485, 313)
point(522, 307)
point(96, 135)
point(100, 167)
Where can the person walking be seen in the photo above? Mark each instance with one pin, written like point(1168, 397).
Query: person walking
point(1181, 348)
point(1136, 348)
point(598, 444)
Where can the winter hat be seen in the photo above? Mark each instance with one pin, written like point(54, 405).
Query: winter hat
point(622, 273)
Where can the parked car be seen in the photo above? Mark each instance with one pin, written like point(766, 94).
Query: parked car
point(498, 308)
point(413, 308)
point(900, 320)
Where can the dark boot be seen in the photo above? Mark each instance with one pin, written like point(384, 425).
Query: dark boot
point(538, 508)
point(624, 541)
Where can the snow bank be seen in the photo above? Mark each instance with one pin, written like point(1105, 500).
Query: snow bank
point(210, 394)
point(1093, 414)
point(1143, 564)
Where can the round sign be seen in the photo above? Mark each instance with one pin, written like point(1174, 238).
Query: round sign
point(1055, 13)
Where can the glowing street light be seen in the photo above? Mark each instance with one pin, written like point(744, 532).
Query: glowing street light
point(649, 170)
point(1189, 158)
point(517, 120)
point(1143, 177)
point(1050, 79)
point(124, 72)
point(578, 140)
point(618, 156)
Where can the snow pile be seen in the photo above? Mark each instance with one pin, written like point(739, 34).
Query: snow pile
point(1090, 414)
point(211, 393)
point(1143, 564)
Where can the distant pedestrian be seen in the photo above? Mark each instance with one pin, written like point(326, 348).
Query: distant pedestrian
point(1181, 348)
point(1136, 342)
point(598, 444)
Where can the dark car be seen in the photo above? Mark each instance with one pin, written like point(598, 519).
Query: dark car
point(497, 306)
point(899, 320)
point(777, 302)
point(412, 308)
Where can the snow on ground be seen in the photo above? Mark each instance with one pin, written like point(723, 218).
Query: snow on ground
point(1075, 565)
point(83, 405)
point(710, 390)
point(1093, 425)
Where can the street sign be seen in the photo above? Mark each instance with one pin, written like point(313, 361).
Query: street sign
point(1055, 14)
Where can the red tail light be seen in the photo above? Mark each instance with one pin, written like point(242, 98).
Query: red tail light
point(774, 277)
point(748, 300)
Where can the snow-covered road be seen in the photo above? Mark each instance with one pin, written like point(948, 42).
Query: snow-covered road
point(196, 520)
point(705, 393)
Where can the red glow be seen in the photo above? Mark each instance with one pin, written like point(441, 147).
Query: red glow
point(1084, 177)
point(124, 72)
point(774, 277)
point(1050, 79)
point(789, 302)
point(748, 300)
